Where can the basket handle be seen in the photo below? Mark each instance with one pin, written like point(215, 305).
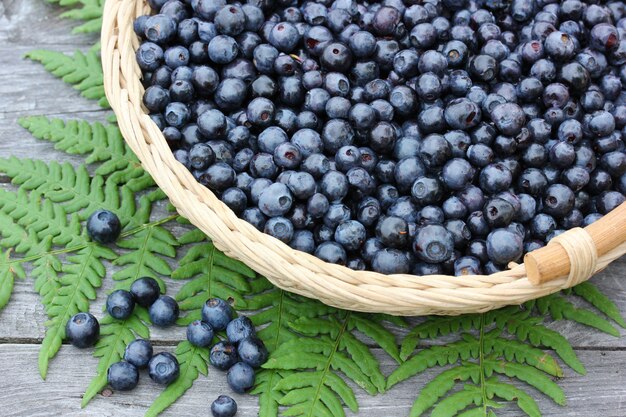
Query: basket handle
point(552, 261)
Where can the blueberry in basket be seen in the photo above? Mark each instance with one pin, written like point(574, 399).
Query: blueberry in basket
point(398, 138)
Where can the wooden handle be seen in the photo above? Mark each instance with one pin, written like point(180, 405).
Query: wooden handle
point(551, 261)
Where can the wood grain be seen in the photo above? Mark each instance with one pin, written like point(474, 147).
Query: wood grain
point(32, 24)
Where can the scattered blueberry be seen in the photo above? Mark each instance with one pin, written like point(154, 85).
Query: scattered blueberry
point(103, 226)
point(240, 377)
point(200, 333)
point(223, 355)
point(252, 351)
point(145, 291)
point(164, 311)
point(224, 406)
point(239, 328)
point(82, 330)
point(163, 368)
point(217, 313)
point(123, 376)
point(120, 304)
point(138, 352)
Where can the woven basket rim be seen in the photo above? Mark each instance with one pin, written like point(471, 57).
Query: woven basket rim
point(291, 270)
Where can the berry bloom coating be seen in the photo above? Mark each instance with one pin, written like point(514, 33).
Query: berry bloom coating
point(123, 376)
point(240, 377)
point(217, 313)
point(103, 226)
point(82, 330)
point(138, 352)
point(164, 311)
point(163, 368)
point(223, 406)
point(120, 304)
point(145, 291)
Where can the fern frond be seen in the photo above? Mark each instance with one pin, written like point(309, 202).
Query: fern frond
point(100, 143)
point(81, 275)
point(326, 344)
point(82, 70)
point(193, 362)
point(72, 187)
point(590, 293)
point(560, 308)
point(115, 335)
point(214, 275)
point(8, 271)
point(527, 328)
point(441, 385)
point(90, 11)
point(528, 374)
point(452, 404)
point(508, 392)
point(434, 327)
point(148, 247)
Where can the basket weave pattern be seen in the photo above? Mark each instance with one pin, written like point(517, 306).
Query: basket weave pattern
point(289, 269)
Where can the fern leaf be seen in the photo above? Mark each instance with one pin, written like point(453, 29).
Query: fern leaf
point(115, 335)
point(434, 327)
point(81, 276)
point(432, 356)
point(8, 271)
point(193, 362)
point(590, 293)
point(39, 219)
point(99, 143)
point(91, 12)
point(510, 393)
point(520, 352)
point(148, 248)
point(214, 275)
point(458, 401)
point(560, 308)
point(383, 337)
point(441, 385)
point(527, 328)
point(71, 187)
point(528, 374)
point(82, 70)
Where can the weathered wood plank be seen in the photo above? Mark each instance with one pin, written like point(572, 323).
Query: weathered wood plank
point(600, 393)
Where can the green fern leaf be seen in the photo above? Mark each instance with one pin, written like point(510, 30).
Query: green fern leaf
point(528, 374)
point(115, 335)
point(148, 247)
point(326, 345)
point(434, 327)
point(522, 353)
point(458, 401)
point(510, 393)
point(590, 293)
point(526, 328)
point(8, 271)
point(214, 275)
point(81, 276)
point(71, 187)
point(441, 385)
point(193, 362)
point(560, 308)
point(82, 70)
point(100, 143)
point(88, 10)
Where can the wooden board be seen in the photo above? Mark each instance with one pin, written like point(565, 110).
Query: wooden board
point(27, 89)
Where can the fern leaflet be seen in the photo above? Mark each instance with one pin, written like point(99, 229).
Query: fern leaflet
point(82, 70)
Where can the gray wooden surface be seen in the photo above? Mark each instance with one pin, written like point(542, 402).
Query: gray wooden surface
point(25, 88)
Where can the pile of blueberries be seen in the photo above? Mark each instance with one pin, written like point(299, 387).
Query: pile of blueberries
point(239, 353)
point(401, 136)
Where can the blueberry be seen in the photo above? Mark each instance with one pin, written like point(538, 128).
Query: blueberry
point(504, 246)
point(350, 234)
point(103, 226)
point(223, 355)
point(224, 406)
point(200, 333)
point(457, 174)
point(284, 36)
point(82, 330)
point(217, 313)
point(558, 200)
point(433, 243)
point(138, 352)
point(239, 328)
point(467, 265)
point(279, 227)
point(164, 311)
point(120, 304)
point(240, 377)
point(498, 212)
point(331, 252)
point(252, 351)
point(122, 376)
point(462, 114)
point(275, 200)
point(495, 178)
point(160, 28)
point(163, 368)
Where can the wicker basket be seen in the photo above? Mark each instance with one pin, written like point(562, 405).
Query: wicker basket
point(577, 255)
